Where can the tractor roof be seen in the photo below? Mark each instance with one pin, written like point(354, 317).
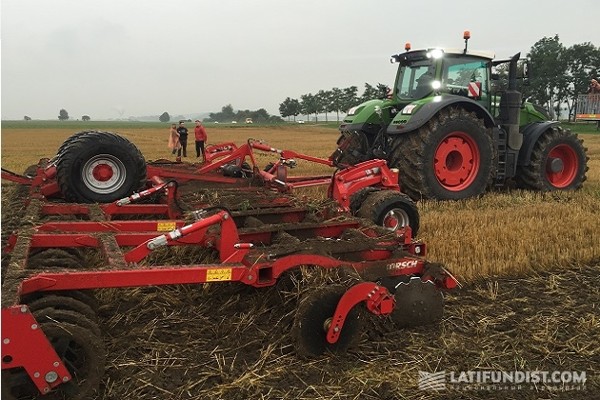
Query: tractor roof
point(483, 54)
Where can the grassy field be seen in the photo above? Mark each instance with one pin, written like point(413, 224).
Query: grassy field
point(499, 233)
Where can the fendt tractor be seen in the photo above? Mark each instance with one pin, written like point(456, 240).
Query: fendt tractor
point(453, 137)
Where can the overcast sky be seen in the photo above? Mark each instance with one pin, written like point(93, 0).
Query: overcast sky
point(108, 58)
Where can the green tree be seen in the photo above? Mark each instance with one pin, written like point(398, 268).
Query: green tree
point(370, 93)
point(583, 63)
point(349, 98)
point(85, 118)
point(63, 115)
point(308, 104)
point(336, 101)
point(323, 99)
point(164, 117)
point(225, 115)
point(548, 82)
point(289, 108)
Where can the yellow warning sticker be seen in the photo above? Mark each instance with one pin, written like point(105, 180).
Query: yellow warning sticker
point(166, 226)
point(218, 274)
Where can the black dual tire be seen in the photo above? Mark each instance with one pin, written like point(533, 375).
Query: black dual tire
point(449, 158)
point(388, 208)
point(558, 162)
point(99, 167)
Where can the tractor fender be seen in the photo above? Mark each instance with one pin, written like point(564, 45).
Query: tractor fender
point(427, 111)
point(531, 134)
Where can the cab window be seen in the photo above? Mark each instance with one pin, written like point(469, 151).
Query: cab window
point(459, 72)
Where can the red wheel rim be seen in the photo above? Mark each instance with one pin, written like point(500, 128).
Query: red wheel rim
point(570, 165)
point(456, 161)
point(102, 172)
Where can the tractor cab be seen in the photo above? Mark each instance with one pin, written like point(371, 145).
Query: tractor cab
point(437, 72)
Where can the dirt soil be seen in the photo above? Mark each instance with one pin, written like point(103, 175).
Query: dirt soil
point(225, 341)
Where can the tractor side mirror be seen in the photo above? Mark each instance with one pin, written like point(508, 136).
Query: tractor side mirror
point(525, 69)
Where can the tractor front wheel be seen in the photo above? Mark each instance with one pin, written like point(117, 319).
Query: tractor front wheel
point(450, 158)
point(558, 162)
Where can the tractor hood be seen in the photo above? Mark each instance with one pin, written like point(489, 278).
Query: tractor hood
point(370, 116)
point(416, 114)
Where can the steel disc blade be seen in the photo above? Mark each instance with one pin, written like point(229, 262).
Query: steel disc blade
point(311, 322)
point(417, 303)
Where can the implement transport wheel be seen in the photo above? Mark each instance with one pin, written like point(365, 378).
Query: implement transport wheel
point(390, 209)
point(100, 167)
point(417, 303)
point(84, 355)
point(449, 158)
point(313, 319)
point(558, 162)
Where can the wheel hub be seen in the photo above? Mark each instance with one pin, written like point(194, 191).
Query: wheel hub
point(555, 165)
point(102, 172)
point(396, 219)
point(456, 161)
point(561, 166)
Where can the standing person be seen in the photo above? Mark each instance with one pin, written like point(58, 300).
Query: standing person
point(594, 87)
point(174, 143)
point(200, 136)
point(183, 135)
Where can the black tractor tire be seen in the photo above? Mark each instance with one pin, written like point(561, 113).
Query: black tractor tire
point(353, 148)
point(68, 141)
point(100, 167)
point(390, 209)
point(357, 199)
point(449, 158)
point(558, 162)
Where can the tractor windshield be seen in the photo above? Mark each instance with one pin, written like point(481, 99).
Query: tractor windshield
point(415, 79)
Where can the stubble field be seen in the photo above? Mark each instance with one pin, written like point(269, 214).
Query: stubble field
point(529, 262)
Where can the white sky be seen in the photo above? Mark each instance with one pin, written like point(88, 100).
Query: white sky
point(107, 57)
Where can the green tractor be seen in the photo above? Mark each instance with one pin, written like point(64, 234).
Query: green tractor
point(452, 137)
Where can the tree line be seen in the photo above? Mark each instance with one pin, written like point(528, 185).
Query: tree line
point(337, 100)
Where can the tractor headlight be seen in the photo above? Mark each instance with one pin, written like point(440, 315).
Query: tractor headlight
point(353, 110)
point(435, 53)
point(409, 109)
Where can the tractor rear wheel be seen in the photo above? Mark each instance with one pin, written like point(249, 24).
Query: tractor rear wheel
point(558, 162)
point(99, 167)
point(390, 209)
point(449, 158)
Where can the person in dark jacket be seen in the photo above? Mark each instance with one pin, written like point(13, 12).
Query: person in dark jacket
point(183, 135)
